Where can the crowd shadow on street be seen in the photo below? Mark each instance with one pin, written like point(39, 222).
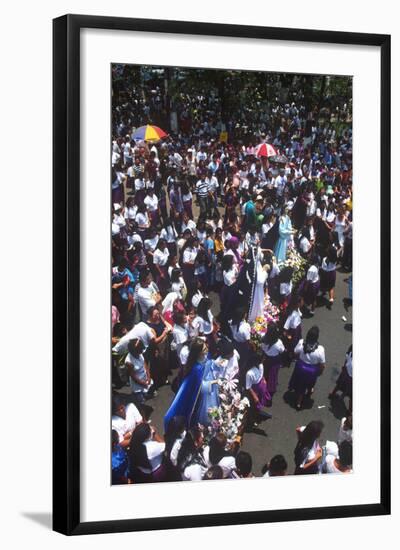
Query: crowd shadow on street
point(338, 407)
point(289, 398)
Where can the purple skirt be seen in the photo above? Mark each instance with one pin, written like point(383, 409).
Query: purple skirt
point(261, 391)
point(272, 364)
point(155, 477)
point(187, 207)
point(328, 279)
point(118, 195)
point(304, 377)
point(309, 291)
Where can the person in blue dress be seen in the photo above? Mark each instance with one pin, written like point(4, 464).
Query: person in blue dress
point(285, 233)
point(198, 390)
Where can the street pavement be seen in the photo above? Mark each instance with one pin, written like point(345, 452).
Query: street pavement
point(278, 434)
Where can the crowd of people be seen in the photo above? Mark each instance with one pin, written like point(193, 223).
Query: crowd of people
point(209, 239)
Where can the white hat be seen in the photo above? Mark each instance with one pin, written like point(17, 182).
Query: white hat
point(117, 206)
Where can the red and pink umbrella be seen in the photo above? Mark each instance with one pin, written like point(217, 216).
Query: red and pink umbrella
point(266, 150)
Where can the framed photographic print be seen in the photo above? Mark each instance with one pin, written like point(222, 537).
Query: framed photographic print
point(221, 213)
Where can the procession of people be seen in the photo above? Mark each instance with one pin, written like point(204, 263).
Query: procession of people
point(226, 234)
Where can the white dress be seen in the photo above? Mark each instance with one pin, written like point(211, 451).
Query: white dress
point(257, 307)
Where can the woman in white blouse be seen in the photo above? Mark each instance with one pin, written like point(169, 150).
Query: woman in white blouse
point(308, 452)
point(160, 262)
point(273, 349)
point(309, 366)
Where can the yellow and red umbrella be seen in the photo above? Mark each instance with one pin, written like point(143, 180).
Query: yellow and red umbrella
point(149, 133)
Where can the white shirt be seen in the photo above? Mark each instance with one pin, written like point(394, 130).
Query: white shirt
point(274, 350)
point(227, 463)
point(195, 472)
point(285, 288)
point(155, 451)
point(190, 255)
point(147, 297)
point(293, 321)
point(160, 257)
point(130, 212)
point(205, 327)
point(254, 376)
point(312, 274)
point(179, 288)
point(191, 225)
point(150, 244)
point(151, 203)
point(230, 276)
point(176, 448)
point(139, 370)
point(141, 331)
point(127, 424)
point(305, 245)
point(315, 357)
point(142, 219)
point(241, 333)
point(327, 266)
point(169, 234)
point(180, 335)
point(230, 366)
point(344, 435)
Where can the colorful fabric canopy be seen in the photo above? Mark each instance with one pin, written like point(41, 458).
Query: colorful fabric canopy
point(266, 150)
point(149, 133)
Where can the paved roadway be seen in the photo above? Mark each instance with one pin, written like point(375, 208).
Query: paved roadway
point(278, 435)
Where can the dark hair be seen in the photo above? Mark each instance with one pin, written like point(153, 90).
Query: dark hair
point(331, 255)
point(272, 335)
point(294, 302)
point(238, 315)
point(311, 341)
point(203, 307)
point(174, 429)
point(175, 275)
point(305, 232)
point(214, 472)
point(118, 330)
point(195, 349)
point(161, 241)
point(114, 438)
point(306, 440)
point(225, 347)
point(217, 448)
point(286, 274)
point(227, 262)
point(143, 275)
point(135, 347)
point(188, 451)
point(117, 402)
point(277, 466)
point(137, 450)
point(244, 463)
point(346, 453)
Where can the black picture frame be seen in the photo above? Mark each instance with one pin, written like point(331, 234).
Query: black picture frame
point(66, 273)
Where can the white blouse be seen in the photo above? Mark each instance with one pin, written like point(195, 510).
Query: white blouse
point(160, 257)
point(315, 357)
point(274, 350)
point(293, 321)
